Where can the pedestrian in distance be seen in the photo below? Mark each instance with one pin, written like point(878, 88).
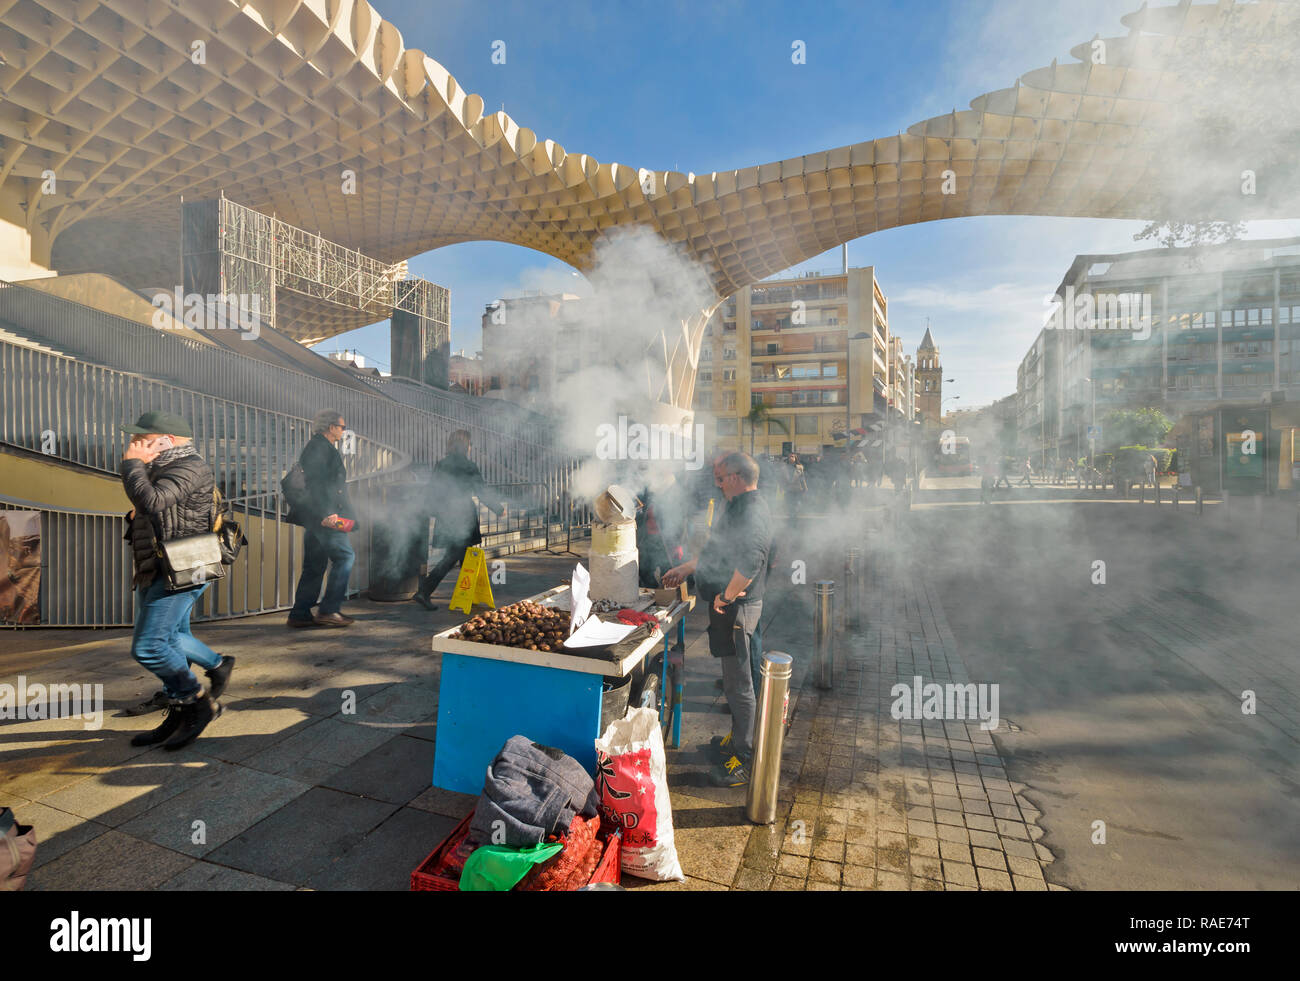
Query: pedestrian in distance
point(1149, 466)
point(457, 481)
point(171, 491)
point(1026, 473)
point(1004, 474)
point(796, 486)
point(326, 516)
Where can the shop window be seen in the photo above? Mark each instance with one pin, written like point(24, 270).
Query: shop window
point(806, 426)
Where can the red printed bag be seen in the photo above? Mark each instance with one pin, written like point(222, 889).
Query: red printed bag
point(631, 774)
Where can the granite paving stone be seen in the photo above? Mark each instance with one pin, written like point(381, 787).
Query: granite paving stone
point(385, 857)
point(858, 877)
point(304, 836)
point(110, 861)
point(396, 771)
point(992, 879)
point(225, 798)
point(206, 877)
point(989, 858)
point(960, 873)
point(114, 796)
point(793, 865)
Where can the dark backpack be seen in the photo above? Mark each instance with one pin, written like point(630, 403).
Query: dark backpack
point(293, 491)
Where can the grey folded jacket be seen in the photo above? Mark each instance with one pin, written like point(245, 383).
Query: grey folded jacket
point(533, 791)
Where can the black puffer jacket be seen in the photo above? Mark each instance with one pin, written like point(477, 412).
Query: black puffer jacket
point(172, 499)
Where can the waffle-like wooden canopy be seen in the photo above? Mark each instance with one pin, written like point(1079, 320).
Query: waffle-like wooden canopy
point(112, 97)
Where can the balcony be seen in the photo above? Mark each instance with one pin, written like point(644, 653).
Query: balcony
point(782, 326)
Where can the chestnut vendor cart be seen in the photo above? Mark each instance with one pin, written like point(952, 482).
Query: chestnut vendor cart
point(490, 692)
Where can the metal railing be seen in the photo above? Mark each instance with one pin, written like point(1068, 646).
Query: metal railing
point(507, 450)
point(71, 411)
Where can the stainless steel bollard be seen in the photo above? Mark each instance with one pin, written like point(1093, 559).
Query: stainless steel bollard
point(769, 737)
point(852, 586)
point(1200, 501)
point(824, 632)
point(1175, 497)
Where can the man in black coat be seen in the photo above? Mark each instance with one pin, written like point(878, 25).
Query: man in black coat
point(326, 516)
point(170, 488)
point(457, 480)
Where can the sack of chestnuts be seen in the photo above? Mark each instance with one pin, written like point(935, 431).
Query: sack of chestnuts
point(528, 625)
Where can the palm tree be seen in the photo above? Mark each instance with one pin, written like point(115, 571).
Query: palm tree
point(759, 415)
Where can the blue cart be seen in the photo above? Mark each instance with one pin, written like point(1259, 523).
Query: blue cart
point(489, 692)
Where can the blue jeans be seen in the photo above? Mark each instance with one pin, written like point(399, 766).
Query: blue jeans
point(162, 641)
point(321, 547)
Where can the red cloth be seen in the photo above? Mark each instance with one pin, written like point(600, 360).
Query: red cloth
point(635, 617)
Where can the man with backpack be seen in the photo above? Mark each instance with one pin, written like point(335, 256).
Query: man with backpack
point(318, 501)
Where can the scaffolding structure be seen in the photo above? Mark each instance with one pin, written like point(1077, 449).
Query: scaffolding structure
point(309, 286)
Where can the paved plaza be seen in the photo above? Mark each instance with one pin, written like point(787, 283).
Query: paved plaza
point(1116, 705)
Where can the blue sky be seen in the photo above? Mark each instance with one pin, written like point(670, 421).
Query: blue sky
point(711, 86)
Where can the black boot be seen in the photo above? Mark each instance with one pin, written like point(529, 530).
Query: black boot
point(170, 723)
point(219, 676)
point(195, 715)
point(158, 700)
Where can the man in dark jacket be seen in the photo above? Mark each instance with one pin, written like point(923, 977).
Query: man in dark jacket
point(730, 574)
point(457, 480)
point(171, 489)
point(326, 516)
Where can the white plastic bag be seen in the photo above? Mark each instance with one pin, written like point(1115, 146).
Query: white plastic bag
point(632, 777)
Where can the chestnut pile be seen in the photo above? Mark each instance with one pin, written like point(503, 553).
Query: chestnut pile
point(528, 625)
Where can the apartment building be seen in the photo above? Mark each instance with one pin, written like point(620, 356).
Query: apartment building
point(1199, 333)
point(531, 344)
point(814, 349)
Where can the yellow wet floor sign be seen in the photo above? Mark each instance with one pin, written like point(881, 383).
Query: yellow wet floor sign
point(473, 585)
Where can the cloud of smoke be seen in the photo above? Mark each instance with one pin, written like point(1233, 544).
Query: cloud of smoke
point(591, 361)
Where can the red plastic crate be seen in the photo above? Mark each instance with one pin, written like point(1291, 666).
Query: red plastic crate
point(428, 878)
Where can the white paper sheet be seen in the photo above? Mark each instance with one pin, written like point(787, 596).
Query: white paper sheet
point(596, 632)
point(579, 603)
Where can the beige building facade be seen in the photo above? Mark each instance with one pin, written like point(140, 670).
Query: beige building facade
point(814, 350)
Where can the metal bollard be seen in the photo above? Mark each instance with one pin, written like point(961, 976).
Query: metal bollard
point(1200, 500)
point(824, 632)
point(852, 586)
point(1157, 491)
point(769, 736)
point(1142, 492)
point(1175, 497)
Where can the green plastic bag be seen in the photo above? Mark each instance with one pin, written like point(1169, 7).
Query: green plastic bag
point(491, 868)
